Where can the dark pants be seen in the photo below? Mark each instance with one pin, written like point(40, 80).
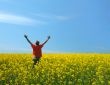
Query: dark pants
point(36, 60)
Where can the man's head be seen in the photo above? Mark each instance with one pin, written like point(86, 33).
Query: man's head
point(37, 42)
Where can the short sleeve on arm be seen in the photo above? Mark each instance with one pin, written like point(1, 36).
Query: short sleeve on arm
point(41, 45)
point(32, 45)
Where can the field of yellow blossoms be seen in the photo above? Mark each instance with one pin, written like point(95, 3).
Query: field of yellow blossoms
point(55, 69)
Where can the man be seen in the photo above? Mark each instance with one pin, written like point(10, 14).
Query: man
point(37, 49)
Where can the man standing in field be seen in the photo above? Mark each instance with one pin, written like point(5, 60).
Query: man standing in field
point(37, 49)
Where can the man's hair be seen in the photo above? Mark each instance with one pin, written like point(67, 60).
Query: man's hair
point(37, 42)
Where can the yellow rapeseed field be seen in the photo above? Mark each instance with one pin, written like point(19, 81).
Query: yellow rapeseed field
point(55, 69)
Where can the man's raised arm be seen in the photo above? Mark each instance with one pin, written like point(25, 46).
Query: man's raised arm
point(28, 39)
point(46, 40)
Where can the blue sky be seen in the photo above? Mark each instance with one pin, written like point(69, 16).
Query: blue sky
point(75, 26)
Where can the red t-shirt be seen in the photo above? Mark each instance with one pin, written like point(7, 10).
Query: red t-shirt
point(37, 50)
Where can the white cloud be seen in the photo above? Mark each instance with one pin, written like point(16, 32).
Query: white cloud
point(18, 20)
point(62, 17)
point(14, 49)
point(103, 48)
point(5, 0)
point(52, 17)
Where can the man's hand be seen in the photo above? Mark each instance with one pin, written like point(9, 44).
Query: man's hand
point(25, 36)
point(27, 39)
point(46, 40)
point(48, 37)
